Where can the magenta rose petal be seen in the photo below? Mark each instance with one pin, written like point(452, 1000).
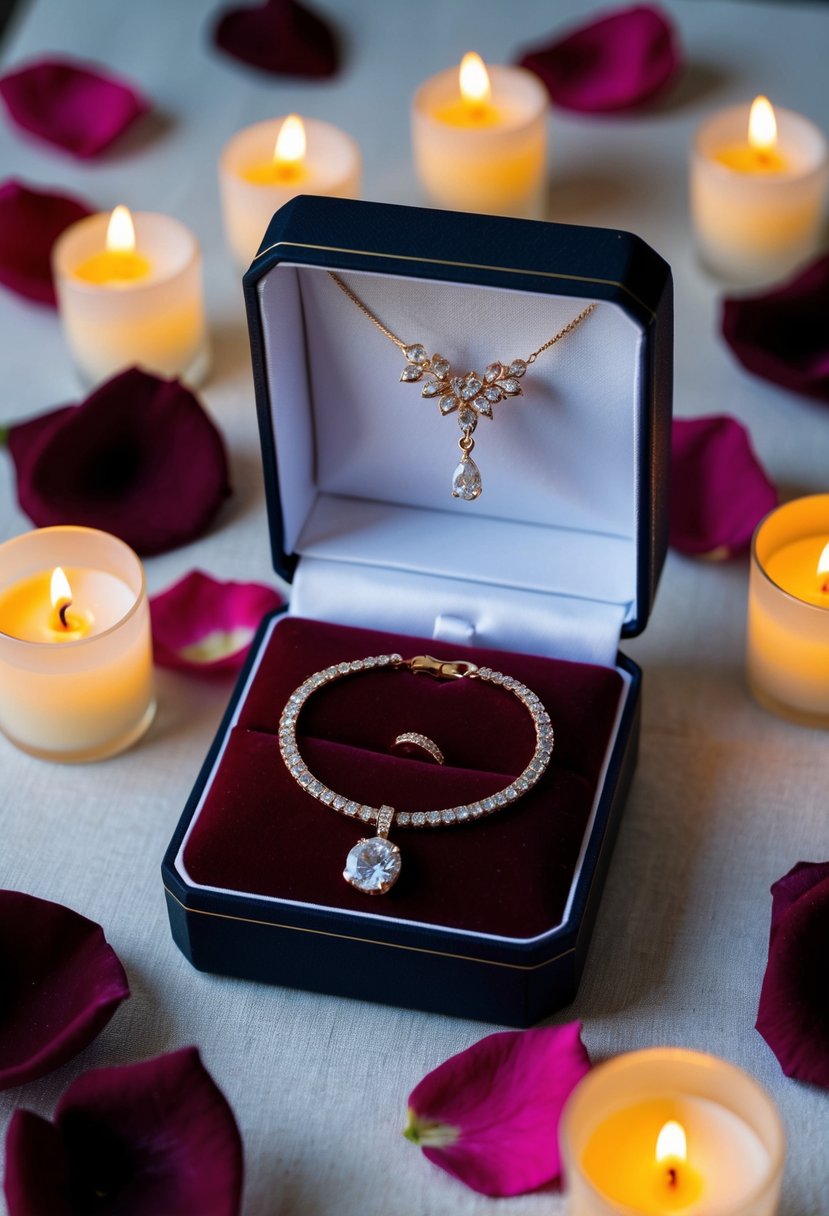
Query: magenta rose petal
point(30, 223)
point(139, 458)
point(614, 63)
point(782, 335)
point(719, 489)
point(145, 1138)
point(204, 626)
point(72, 105)
point(488, 1115)
point(282, 37)
point(793, 1016)
point(62, 983)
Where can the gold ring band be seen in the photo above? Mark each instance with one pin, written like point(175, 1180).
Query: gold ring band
point(412, 740)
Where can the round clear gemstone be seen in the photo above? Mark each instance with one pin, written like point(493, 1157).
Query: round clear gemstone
point(366, 814)
point(493, 372)
point(517, 367)
point(418, 819)
point(416, 353)
point(373, 865)
point(403, 819)
point(447, 816)
point(433, 818)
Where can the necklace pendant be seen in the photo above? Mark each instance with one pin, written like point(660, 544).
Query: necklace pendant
point(373, 865)
point(466, 480)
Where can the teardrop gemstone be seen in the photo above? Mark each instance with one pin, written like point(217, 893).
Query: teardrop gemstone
point(466, 480)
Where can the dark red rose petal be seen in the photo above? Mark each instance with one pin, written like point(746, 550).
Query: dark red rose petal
point(141, 1140)
point(719, 489)
point(61, 983)
point(279, 36)
point(782, 334)
point(204, 626)
point(617, 62)
point(72, 105)
point(793, 1016)
point(30, 223)
point(139, 458)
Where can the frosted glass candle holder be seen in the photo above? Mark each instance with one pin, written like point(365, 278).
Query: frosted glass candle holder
point(611, 1123)
point(788, 612)
point(498, 168)
point(752, 228)
point(89, 694)
point(156, 321)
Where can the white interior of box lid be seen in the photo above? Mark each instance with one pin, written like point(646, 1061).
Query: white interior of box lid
point(545, 561)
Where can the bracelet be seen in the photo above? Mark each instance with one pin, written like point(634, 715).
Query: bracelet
point(373, 865)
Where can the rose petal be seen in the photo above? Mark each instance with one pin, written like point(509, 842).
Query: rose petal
point(793, 1016)
point(488, 1115)
point(154, 1137)
point(279, 36)
point(719, 490)
point(139, 458)
point(782, 334)
point(619, 61)
point(61, 984)
point(72, 105)
point(30, 223)
point(205, 626)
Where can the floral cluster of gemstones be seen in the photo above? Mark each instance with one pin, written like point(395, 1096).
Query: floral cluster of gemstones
point(472, 395)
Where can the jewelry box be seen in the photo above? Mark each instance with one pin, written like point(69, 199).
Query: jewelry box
point(537, 578)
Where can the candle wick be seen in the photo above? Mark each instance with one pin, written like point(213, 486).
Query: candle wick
point(62, 611)
point(673, 1176)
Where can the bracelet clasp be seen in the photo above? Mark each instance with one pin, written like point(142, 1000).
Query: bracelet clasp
point(440, 669)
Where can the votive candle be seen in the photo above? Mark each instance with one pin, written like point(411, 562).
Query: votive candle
point(129, 292)
point(76, 679)
point(788, 611)
point(758, 190)
point(479, 136)
point(667, 1131)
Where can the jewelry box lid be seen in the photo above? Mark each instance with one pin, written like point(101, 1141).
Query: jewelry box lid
point(575, 468)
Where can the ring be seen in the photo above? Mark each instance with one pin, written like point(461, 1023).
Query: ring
point(412, 741)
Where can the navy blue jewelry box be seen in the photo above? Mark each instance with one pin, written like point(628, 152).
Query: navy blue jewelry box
point(558, 559)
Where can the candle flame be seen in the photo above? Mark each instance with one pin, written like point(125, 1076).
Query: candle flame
point(474, 79)
point(290, 142)
point(671, 1143)
point(762, 125)
point(823, 568)
point(59, 588)
point(120, 231)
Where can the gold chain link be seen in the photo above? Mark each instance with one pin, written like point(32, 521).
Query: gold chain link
point(366, 311)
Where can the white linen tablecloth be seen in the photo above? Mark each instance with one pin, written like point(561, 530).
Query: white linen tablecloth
point(726, 797)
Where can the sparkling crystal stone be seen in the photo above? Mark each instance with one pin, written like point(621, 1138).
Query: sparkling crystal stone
point(471, 387)
point(433, 818)
point(431, 389)
point(493, 372)
point(467, 418)
point(418, 819)
point(373, 865)
point(447, 816)
point(440, 366)
point(511, 387)
point(466, 480)
point(411, 372)
point(493, 393)
point(517, 367)
point(447, 404)
point(456, 385)
point(483, 407)
point(416, 353)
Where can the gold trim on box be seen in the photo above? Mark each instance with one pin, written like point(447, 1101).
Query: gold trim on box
point(366, 941)
point(405, 257)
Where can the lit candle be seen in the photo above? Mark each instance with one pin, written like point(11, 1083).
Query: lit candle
point(671, 1131)
point(758, 185)
point(130, 292)
point(265, 165)
point(788, 611)
point(480, 138)
point(75, 652)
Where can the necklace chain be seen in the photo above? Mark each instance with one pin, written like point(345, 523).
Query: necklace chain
point(401, 345)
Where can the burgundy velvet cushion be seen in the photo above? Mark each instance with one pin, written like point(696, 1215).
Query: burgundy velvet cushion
point(508, 874)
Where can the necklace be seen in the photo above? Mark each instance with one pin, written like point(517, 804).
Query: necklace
point(373, 864)
point(471, 395)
